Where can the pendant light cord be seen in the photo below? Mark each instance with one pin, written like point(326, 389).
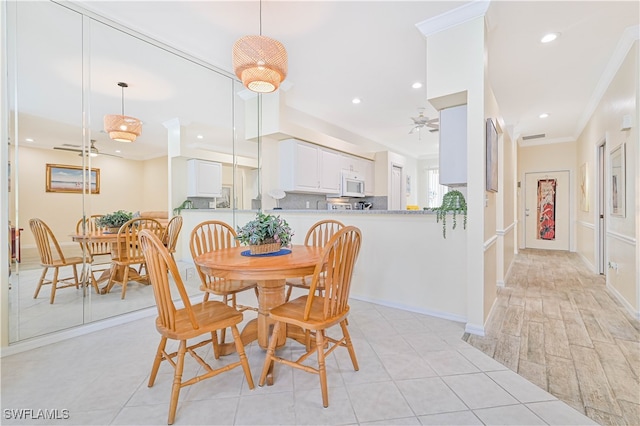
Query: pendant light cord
point(260, 17)
point(122, 87)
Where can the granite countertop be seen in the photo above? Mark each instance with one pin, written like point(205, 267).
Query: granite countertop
point(411, 212)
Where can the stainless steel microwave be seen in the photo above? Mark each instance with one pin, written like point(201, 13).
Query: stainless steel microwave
point(352, 185)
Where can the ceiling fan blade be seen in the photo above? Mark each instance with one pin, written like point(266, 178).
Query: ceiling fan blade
point(67, 149)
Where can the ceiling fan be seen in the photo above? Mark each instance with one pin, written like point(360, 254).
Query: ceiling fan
point(421, 121)
point(92, 151)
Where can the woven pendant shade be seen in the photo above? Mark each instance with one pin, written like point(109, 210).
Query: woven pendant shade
point(122, 128)
point(260, 63)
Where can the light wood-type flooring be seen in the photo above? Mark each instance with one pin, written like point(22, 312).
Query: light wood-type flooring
point(557, 325)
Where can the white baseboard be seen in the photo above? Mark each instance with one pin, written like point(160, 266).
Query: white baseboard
point(587, 263)
point(437, 314)
point(478, 330)
point(625, 303)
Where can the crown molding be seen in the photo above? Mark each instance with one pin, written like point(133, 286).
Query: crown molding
point(453, 17)
point(629, 36)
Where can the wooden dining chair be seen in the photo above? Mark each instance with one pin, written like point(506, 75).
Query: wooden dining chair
point(127, 252)
point(317, 236)
point(189, 322)
point(214, 235)
point(93, 249)
point(52, 258)
point(318, 313)
point(171, 233)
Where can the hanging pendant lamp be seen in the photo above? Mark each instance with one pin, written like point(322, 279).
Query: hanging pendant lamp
point(260, 62)
point(122, 128)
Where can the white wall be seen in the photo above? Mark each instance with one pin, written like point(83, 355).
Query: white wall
point(621, 98)
point(124, 185)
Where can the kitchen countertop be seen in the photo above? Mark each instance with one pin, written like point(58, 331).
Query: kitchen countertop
point(410, 212)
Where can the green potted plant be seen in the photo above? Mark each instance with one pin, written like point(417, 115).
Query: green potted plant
point(265, 234)
point(453, 202)
point(113, 221)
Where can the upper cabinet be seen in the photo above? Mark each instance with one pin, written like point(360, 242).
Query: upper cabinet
point(453, 146)
point(363, 167)
point(204, 178)
point(305, 167)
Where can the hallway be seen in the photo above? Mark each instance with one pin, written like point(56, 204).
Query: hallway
point(556, 325)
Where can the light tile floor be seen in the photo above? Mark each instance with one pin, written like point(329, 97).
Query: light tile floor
point(414, 369)
point(556, 324)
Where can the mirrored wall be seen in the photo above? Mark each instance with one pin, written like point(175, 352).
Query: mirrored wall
point(64, 70)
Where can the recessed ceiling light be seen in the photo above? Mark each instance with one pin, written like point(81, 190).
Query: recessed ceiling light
point(356, 100)
point(29, 139)
point(543, 115)
point(200, 137)
point(416, 85)
point(118, 151)
point(547, 38)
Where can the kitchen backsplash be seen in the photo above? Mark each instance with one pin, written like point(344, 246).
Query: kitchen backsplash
point(295, 201)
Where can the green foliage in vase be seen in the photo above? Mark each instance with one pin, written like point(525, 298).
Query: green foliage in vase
point(453, 202)
point(265, 229)
point(114, 220)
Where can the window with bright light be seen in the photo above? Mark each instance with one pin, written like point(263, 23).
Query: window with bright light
point(435, 191)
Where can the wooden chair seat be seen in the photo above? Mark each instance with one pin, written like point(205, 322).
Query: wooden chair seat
point(211, 316)
point(316, 314)
point(204, 319)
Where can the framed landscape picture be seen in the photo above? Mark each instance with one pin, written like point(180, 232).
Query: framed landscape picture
point(492, 156)
point(69, 179)
point(618, 182)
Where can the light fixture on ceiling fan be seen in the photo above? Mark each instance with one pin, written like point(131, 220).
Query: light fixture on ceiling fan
point(421, 121)
point(120, 127)
point(92, 151)
point(259, 62)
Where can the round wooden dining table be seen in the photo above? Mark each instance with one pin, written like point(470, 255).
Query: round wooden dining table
point(270, 272)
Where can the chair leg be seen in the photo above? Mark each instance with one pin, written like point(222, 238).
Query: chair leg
point(54, 284)
point(216, 346)
point(157, 361)
point(268, 359)
point(347, 338)
point(288, 295)
point(44, 273)
point(243, 357)
point(322, 368)
point(125, 280)
point(177, 382)
point(75, 276)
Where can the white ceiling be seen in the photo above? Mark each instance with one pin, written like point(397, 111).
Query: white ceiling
point(339, 50)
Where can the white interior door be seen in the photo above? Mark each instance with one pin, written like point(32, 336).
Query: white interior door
point(547, 210)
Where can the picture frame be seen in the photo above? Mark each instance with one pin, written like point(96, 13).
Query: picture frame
point(68, 179)
point(491, 156)
point(224, 202)
point(617, 181)
point(584, 187)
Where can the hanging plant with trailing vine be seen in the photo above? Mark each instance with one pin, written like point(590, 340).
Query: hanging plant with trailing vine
point(453, 202)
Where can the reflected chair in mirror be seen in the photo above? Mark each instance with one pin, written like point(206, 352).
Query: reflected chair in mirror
point(127, 253)
point(45, 240)
point(214, 235)
point(317, 236)
point(171, 233)
point(187, 323)
point(95, 250)
point(319, 313)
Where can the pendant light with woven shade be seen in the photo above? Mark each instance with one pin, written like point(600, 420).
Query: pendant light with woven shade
point(260, 62)
point(120, 127)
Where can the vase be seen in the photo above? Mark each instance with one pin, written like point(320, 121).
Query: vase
point(111, 230)
point(264, 248)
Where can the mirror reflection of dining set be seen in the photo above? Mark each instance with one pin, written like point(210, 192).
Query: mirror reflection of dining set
point(142, 250)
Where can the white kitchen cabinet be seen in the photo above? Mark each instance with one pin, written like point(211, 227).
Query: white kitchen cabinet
point(363, 167)
point(453, 146)
point(204, 178)
point(305, 167)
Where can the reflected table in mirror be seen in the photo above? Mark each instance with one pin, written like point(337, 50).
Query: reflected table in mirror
point(112, 239)
point(270, 272)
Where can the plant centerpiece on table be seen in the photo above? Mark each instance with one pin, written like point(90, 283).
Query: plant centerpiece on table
point(453, 202)
point(113, 221)
point(265, 234)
